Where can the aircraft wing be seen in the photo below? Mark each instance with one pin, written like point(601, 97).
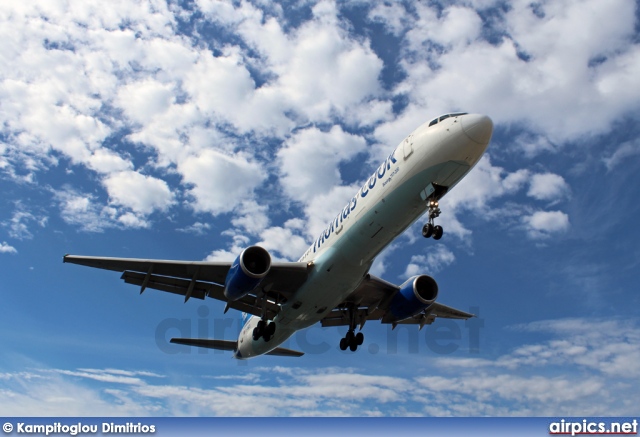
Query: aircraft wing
point(200, 279)
point(371, 300)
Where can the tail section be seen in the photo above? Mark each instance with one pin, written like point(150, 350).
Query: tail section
point(244, 319)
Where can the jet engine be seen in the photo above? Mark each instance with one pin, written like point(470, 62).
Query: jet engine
point(415, 295)
point(246, 272)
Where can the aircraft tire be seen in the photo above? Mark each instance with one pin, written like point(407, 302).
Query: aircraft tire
point(349, 337)
point(359, 338)
point(271, 328)
point(427, 230)
point(343, 344)
point(437, 232)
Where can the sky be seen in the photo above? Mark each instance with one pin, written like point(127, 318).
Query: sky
point(193, 129)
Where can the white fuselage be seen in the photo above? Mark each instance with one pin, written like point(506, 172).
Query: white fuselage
point(388, 202)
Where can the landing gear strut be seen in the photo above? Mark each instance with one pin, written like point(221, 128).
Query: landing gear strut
point(429, 229)
point(352, 340)
point(264, 328)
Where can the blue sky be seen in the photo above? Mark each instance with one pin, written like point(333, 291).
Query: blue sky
point(190, 130)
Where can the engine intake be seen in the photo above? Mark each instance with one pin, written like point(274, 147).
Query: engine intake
point(415, 295)
point(246, 272)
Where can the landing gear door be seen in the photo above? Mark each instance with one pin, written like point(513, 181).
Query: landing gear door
point(428, 191)
point(407, 146)
point(433, 191)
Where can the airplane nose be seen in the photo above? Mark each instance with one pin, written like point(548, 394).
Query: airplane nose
point(477, 127)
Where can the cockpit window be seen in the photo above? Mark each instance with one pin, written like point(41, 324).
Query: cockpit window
point(445, 116)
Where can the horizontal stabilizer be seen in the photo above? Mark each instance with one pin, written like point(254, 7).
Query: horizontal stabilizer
point(284, 352)
point(227, 345)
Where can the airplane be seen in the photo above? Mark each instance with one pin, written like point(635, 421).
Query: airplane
point(331, 283)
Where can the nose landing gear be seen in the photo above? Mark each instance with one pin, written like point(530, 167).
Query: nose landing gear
point(430, 229)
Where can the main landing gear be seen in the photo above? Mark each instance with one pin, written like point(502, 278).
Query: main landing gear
point(352, 340)
point(264, 328)
point(429, 229)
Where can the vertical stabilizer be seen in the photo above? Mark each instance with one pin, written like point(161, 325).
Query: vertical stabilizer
point(245, 319)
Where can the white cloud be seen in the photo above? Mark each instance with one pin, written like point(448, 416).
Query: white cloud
point(626, 150)
point(532, 145)
point(548, 186)
point(6, 248)
point(541, 74)
point(285, 241)
point(85, 211)
point(436, 259)
point(327, 71)
point(392, 15)
point(222, 88)
point(584, 366)
point(370, 113)
point(323, 208)
point(56, 395)
point(541, 224)
point(106, 161)
point(102, 376)
point(482, 185)
point(131, 220)
point(534, 379)
point(456, 25)
point(143, 100)
point(219, 180)
point(222, 255)
point(319, 70)
point(197, 228)
point(524, 395)
point(19, 223)
point(310, 159)
point(80, 209)
point(143, 194)
point(210, 115)
point(17, 227)
point(252, 217)
point(238, 244)
point(609, 347)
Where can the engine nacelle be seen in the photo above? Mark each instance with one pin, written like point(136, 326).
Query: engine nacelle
point(246, 272)
point(416, 294)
